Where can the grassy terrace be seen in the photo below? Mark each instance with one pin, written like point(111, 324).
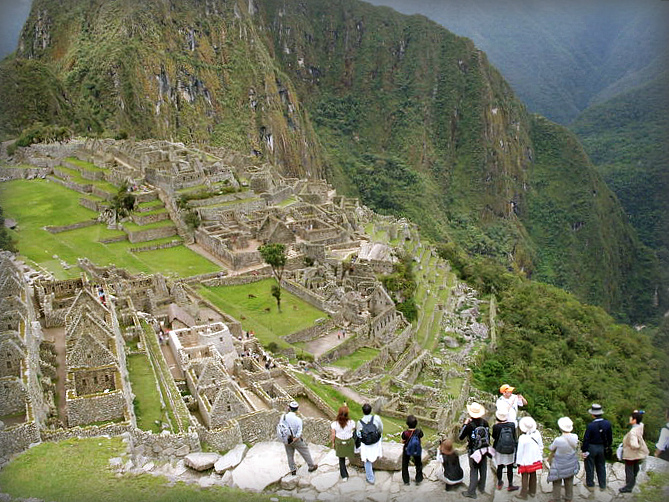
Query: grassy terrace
point(357, 358)
point(89, 166)
point(76, 177)
point(248, 303)
point(156, 203)
point(134, 227)
point(37, 203)
point(147, 400)
point(41, 473)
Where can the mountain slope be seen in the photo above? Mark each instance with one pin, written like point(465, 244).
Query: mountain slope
point(392, 108)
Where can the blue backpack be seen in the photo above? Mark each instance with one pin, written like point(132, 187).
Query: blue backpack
point(412, 447)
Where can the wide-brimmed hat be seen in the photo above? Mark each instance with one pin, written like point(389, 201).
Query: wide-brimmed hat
point(293, 405)
point(596, 409)
point(527, 424)
point(475, 410)
point(565, 424)
point(502, 414)
point(506, 388)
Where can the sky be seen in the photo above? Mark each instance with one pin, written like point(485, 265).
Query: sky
point(13, 14)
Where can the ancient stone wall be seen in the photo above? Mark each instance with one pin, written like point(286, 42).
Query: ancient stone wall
point(72, 185)
point(147, 219)
point(97, 408)
point(73, 226)
point(13, 396)
point(135, 236)
point(93, 205)
point(85, 173)
point(308, 296)
point(165, 245)
point(310, 333)
point(165, 446)
point(19, 173)
point(16, 439)
point(115, 429)
point(278, 196)
point(99, 192)
point(239, 280)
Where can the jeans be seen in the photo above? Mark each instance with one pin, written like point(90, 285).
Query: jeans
point(301, 446)
point(595, 462)
point(477, 475)
point(418, 462)
point(631, 470)
point(568, 488)
point(369, 472)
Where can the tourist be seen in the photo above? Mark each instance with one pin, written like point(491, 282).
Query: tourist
point(597, 439)
point(297, 443)
point(662, 445)
point(634, 450)
point(370, 432)
point(453, 473)
point(563, 460)
point(412, 450)
point(509, 402)
point(475, 429)
point(342, 439)
point(505, 444)
point(529, 457)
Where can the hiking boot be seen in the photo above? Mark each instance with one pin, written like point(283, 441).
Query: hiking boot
point(469, 495)
point(313, 468)
point(513, 488)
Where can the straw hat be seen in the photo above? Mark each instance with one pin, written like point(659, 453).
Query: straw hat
point(475, 410)
point(565, 424)
point(502, 415)
point(596, 410)
point(527, 424)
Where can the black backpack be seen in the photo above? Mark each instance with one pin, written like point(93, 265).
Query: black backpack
point(506, 443)
point(369, 432)
point(480, 438)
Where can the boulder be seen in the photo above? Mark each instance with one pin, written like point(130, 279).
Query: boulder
point(264, 464)
point(231, 459)
point(201, 461)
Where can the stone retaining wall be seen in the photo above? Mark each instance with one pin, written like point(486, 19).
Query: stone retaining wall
point(166, 245)
point(238, 280)
point(17, 439)
point(147, 219)
point(165, 446)
point(118, 238)
point(151, 234)
point(308, 296)
point(310, 333)
point(115, 429)
point(96, 408)
point(71, 185)
point(93, 205)
point(73, 226)
point(20, 173)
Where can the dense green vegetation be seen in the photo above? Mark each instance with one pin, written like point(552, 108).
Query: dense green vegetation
point(77, 470)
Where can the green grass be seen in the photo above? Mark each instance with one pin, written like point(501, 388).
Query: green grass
point(89, 166)
point(76, 177)
point(35, 204)
point(147, 400)
point(77, 470)
point(134, 227)
point(357, 358)
point(157, 203)
point(268, 326)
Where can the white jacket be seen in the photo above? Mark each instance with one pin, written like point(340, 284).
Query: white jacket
point(530, 448)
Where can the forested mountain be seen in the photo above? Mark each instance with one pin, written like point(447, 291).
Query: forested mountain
point(392, 108)
point(560, 57)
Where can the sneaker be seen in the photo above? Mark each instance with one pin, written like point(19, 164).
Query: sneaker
point(344, 480)
point(624, 489)
point(500, 486)
point(313, 468)
point(294, 473)
point(513, 488)
point(469, 495)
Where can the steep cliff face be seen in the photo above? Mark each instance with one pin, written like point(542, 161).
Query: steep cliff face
point(188, 71)
point(392, 108)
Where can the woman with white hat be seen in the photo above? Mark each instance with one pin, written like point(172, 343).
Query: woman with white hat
point(504, 443)
point(529, 457)
point(563, 460)
point(475, 429)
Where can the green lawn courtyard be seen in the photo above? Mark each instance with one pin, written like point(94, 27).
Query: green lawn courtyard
point(39, 203)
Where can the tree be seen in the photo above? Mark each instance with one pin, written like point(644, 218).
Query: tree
point(123, 202)
point(275, 256)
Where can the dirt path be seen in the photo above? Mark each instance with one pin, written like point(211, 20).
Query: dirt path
point(57, 336)
point(175, 370)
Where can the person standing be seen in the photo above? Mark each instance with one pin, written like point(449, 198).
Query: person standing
point(505, 444)
point(370, 431)
point(634, 450)
point(342, 439)
point(475, 429)
point(453, 473)
point(529, 457)
point(597, 438)
point(510, 402)
point(296, 442)
point(662, 445)
point(564, 461)
point(412, 450)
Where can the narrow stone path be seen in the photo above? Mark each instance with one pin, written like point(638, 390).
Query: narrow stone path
point(57, 336)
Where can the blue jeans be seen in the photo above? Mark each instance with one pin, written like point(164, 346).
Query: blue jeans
point(369, 472)
point(595, 462)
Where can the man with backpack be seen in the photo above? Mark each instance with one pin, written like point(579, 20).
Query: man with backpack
point(289, 432)
point(369, 430)
point(475, 429)
point(412, 450)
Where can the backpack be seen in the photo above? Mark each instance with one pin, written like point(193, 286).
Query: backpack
point(480, 438)
point(369, 432)
point(507, 440)
point(283, 431)
point(412, 446)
